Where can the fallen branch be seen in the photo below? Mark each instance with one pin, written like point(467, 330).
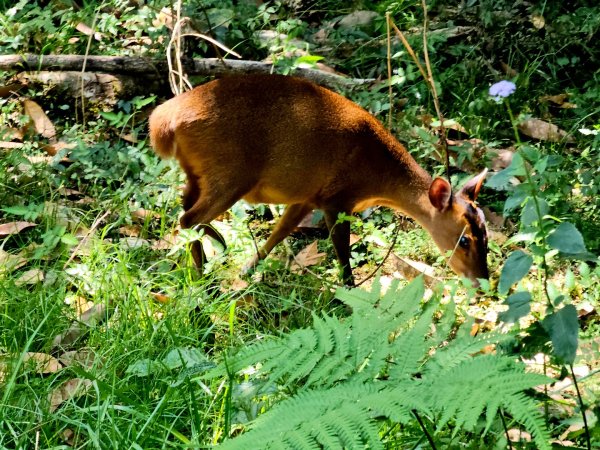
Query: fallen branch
point(159, 68)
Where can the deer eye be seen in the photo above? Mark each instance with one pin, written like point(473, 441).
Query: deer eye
point(464, 242)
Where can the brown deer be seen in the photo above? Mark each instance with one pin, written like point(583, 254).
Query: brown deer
point(277, 139)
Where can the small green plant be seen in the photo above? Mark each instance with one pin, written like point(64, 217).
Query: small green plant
point(547, 238)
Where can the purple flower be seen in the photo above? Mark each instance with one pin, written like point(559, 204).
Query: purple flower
point(502, 89)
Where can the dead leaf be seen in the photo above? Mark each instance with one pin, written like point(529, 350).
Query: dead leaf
point(516, 435)
point(557, 99)
point(10, 89)
point(308, 256)
point(37, 159)
point(71, 389)
point(239, 285)
point(143, 214)
point(68, 437)
point(509, 71)
point(160, 298)
point(538, 21)
point(83, 28)
point(10, 262)
point(10, 228)
point(41, 122)
point(3, 372)
point(93, 316)
point(79, 303)
point(502, 159)
point(167, 242)
point(32, 276)
point(130, 230)
point(84, 357)
point(354, 238)
point(130, 138)
point(131, 243)
point(410, 269)
point(311, 220)
point(4, 144)
point(42, 362)
point(164, 18)
point(11, 134)
point(497, 220)
point(54, 148)
point(67, 192)
point(543, 131)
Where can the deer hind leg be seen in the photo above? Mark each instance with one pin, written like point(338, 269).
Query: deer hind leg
point(291, 217)
point(201, 210)
point(340, 237)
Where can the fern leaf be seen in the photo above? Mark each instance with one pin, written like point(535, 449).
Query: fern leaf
point(406, 302)
point(316, 413)
point(525, 411)
point(410, 348)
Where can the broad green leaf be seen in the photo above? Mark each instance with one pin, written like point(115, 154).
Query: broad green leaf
point(529, 214)
point(184, 356)
point(516, 267)
point(518, 306)
point(144, 368)
point(69, 239)
point(567, 239)
point(515, 200)
point(563, 328)
point(501, 181)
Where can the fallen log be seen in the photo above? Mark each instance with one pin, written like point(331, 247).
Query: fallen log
point(159, 69)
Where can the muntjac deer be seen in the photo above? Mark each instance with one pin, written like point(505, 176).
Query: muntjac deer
point(277, 139)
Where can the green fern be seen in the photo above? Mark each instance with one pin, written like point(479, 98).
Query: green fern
point(386, 361)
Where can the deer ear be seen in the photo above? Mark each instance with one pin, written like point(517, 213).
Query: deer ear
point(440, 194)
point(471, 188)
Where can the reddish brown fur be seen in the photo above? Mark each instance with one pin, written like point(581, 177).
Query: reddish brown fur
point(275, 139)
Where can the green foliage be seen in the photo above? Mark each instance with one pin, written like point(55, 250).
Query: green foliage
point(346, 375)
point(515, 268)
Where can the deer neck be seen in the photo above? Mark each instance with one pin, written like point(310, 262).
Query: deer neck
point(408, 192)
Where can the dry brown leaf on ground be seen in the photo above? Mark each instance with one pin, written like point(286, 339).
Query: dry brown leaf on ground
point(311, 221)
point(10, 89)
point(9, 262)
point(41, 122)
point(71, 389)
point(84, 357)
point(91, 317)
point(160, 298)
point(516, 435)
point(32, 276)
point(85, 29)
point(3, 371)
point(10, 228)
point(55, 147)
point(543, 131)
point(167, 242)
point(143, 214)
point(42, 362)
point(410, 269)
point(4, 144)
point(308, 256)
point(11, 134)
point(130, 230)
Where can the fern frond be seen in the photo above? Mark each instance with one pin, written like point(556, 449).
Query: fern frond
point(525, 411)
point(480, 385)
point(333, 415)
point(405, 302)
point(411, 348)
point(461, 349)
